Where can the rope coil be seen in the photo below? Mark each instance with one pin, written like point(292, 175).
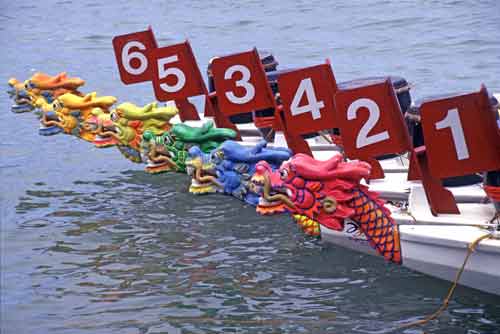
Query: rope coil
point(470, 249)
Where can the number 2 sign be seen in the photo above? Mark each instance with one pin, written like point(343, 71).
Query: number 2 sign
point(371, 123)
point(131, 56)
point(307, 97)
point(460, 134)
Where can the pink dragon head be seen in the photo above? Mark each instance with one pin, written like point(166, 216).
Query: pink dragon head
point(315, 192)
point(264, 183)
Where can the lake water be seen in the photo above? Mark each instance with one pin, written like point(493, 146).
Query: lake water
point(92, 244)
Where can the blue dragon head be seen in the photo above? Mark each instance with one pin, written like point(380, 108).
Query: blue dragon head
point(229, 168)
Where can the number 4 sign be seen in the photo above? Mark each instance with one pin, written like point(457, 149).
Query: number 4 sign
point(461, 134)
point(307, 97)
point(130, 53)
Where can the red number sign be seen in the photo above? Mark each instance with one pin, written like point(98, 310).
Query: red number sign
point(371, 123)
point(130, 53)
point(241, 83)
point(307, 97)
point(175, 73)
point(460, 134)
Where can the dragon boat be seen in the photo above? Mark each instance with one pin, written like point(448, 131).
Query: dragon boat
point(395, 186)
point(41, 88)
point(327, 199)
point(328, 192)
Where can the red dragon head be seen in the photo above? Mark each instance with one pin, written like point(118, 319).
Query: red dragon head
point(315, 192)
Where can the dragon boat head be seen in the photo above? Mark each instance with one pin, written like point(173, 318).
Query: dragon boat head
point(207, 137)
point(234, 164)
point(100, 124)
point(131, 121)
point(267, 185)
point(22, 95)
point(73, 111)
point(200, 167)
point(314, 192)
point(162, 153)
point(168, 151)
point(13, 86)
point(40, 90)
point(22, 102)
point(326, 194)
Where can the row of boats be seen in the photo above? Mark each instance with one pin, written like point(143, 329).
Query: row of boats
point(325, 193)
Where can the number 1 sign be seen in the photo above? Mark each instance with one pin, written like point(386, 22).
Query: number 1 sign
point(460, 134)
point(131, 55)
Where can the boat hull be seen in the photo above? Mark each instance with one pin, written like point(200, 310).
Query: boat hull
point(435, 251)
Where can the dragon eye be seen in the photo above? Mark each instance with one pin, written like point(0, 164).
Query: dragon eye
point(283, 174)
point(57, 105)
point(114, 116)
point(168, 140)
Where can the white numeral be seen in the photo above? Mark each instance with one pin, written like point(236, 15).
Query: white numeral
point(127, 56)
point(244, 82)
point(363, 139)
point(313, 106)
point(452, 121)
point(165, 72)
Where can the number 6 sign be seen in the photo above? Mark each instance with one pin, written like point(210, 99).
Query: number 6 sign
point(131, 55)
point(461, 134)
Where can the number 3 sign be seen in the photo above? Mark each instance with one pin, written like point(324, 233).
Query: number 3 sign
point(130, 52)
point(241, 83)
point(461, 134)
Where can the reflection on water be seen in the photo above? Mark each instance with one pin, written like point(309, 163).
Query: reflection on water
point(136, 253)
point(92, 244)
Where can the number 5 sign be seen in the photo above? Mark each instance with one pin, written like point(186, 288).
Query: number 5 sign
point(461, 134)
point(131, 56)
point(175, 73)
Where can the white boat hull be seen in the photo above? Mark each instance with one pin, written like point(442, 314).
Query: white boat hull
point(435, 250)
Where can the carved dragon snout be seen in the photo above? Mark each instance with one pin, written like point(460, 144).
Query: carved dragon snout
point(271, 191)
